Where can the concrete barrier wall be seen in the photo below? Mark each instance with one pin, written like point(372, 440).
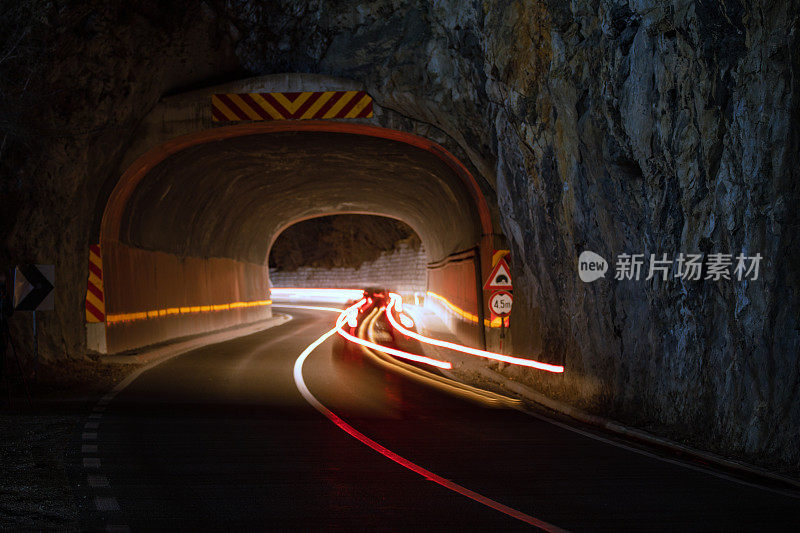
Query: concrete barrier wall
point(181, 296)
point(402, 270)
point(455, 297)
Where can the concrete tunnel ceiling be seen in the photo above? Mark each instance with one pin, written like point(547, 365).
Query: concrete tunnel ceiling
point(232, 197)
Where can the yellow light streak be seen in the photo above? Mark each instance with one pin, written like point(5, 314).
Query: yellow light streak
point(496, 323)
point(157, 313)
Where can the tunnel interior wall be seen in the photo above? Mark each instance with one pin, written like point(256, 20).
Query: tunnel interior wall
point(453, 295)
point(182, 296)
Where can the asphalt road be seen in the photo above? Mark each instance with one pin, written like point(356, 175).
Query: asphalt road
point(221, 439)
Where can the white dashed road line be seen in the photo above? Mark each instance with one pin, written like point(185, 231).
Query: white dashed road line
point(95, 480)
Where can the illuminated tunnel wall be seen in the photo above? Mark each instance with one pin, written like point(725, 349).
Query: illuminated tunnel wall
point(190, 225)
point(157, 296)
point(454, 295)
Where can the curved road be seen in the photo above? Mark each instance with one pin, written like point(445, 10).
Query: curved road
point(220, 438)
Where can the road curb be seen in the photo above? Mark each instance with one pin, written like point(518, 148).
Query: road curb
point(157, 354)
point(529, 395)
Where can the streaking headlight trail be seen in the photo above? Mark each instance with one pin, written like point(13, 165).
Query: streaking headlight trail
point(396, 301)
point(389, 454)
point(345, 318)
point(294, 294)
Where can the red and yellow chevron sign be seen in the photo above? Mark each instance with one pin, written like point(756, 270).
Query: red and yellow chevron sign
point(95, 300)
point(291, 106)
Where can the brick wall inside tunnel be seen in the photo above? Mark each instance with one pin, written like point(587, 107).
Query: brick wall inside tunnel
point(183, 296)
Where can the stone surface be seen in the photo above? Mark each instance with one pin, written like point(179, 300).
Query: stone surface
point(233, 197)
point(401, 270)
point(339, 241)
point(639, 127)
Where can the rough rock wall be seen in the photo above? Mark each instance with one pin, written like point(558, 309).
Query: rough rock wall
point(401, 270)
point(74, 82)
point(663, 128)
point(641, 126)
point(339, 241)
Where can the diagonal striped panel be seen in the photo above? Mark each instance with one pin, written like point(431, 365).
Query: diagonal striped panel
point(95, 297)
point(290, 106)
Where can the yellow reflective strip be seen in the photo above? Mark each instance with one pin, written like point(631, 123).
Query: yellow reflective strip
point(246, 109)
point(324, 97)
point(343, 101)
point(230, 115)
point(94, 280)
point(469, 316)
point(495, 323)
point(291, 107)
point(91, 318)
point(359, 107)
point(126, 317)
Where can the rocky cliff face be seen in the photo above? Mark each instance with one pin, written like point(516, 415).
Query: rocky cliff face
point(618, 127)
point(664, 128)
point(338, 241)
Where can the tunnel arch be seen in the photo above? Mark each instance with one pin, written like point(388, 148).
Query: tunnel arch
point(152, 233)
point(112, 215)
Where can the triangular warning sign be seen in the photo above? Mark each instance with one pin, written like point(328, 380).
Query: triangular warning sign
point(500, 278)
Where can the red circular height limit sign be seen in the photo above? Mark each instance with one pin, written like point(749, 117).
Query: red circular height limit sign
point(500, 303)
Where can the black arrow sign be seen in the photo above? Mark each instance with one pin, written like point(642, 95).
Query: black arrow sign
point(31, 290)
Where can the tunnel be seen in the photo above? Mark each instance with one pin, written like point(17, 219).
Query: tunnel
point(191, 230)
point(618, 179)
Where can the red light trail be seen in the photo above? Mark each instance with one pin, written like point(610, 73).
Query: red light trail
point(347, 317)
point(395, 298)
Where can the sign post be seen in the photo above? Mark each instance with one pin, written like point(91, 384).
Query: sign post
point(501, 300)
point(33, 291)
point(500, 304)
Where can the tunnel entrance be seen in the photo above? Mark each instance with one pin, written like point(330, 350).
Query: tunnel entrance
point(349, 251)
point(186, 233)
